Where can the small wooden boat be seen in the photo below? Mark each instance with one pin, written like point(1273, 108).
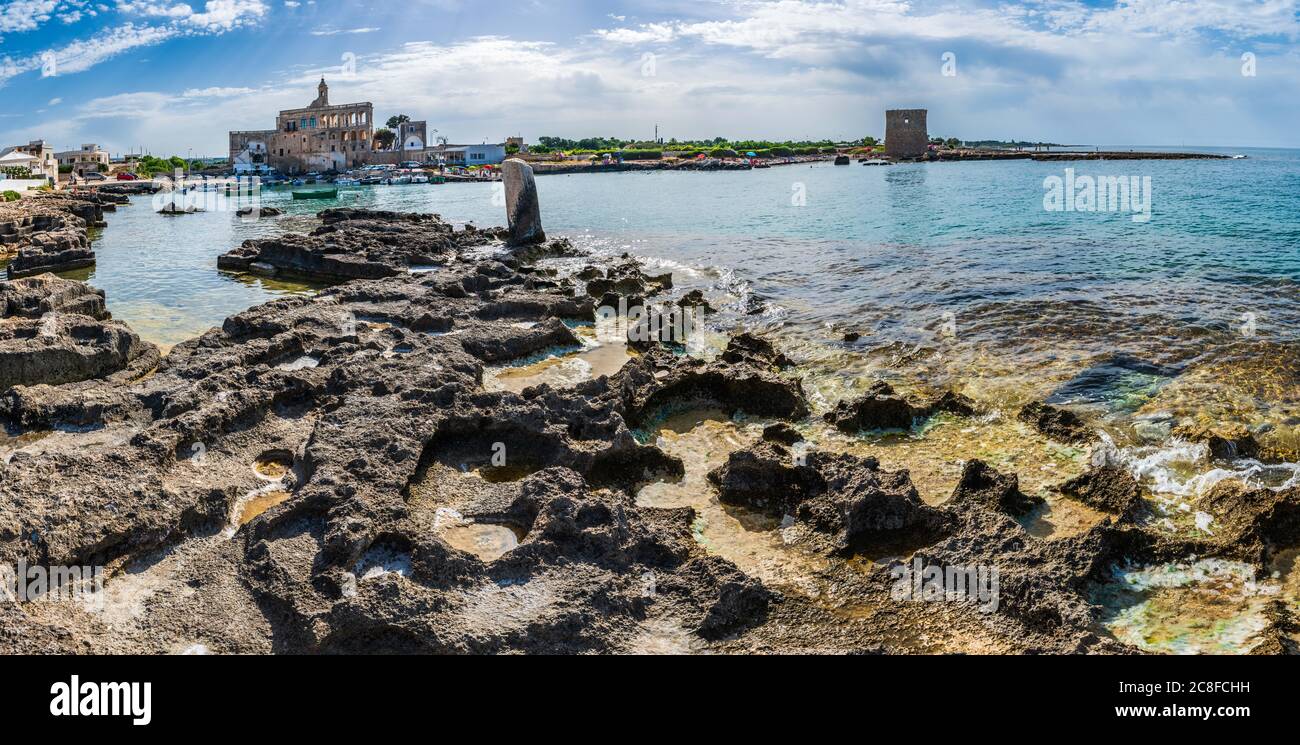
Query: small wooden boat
point(347, 182)
point(316, 194)
point(437, 179)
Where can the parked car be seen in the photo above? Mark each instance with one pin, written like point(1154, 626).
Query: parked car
point(124, 176)
point(94, 176)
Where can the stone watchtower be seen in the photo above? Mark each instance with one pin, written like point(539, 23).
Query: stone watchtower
point(905, 133)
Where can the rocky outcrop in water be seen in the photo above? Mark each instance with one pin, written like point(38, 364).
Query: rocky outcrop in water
point(1109, 489)
point(359, 244)
point(55, 331)
point(849, 501)
point(1059, 424)
point(47, 232)
point(995, 491)
point(878, 408)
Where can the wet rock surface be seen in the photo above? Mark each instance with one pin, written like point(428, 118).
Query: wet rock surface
point(1059, 424)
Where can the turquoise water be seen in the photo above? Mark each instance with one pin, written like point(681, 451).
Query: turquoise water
point(954, 273)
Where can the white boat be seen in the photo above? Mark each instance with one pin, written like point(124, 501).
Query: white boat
point(395, 180)
point(347, 182)
point(419, 178)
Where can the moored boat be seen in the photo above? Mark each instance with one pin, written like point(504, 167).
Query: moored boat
point(316, 194)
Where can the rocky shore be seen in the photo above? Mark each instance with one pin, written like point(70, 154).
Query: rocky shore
point(46, 232)
point(329, 474)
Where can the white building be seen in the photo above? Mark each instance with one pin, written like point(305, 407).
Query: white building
point(469, 155)
point(89, 159)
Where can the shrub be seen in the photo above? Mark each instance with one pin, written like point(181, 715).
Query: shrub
point(722, 152)
point(11, 196)
point(642, 154)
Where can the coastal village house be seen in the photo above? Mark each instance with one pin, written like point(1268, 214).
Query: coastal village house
point(325, 137)
point(36, 158)
point(89, 159)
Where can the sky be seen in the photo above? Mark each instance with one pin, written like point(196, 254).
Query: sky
point(171, 77)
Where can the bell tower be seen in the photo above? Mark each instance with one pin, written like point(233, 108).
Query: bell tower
point(322, 95)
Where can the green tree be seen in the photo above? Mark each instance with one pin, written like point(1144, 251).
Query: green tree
point(384, 138)
point(396, 121)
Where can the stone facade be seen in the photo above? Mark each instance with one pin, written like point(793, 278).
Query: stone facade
point(905, 133)
point(320, 137)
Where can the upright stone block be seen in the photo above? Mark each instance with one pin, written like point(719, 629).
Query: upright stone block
point(522, 211)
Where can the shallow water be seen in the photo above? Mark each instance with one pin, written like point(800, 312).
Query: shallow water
point(1210, 606)
point(602, 352)
point(755, 542)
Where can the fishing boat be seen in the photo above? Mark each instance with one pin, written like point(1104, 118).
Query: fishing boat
point(437, 179)
point(316, 194)
point(396, 180)
point(346, 181)
point(419, 178)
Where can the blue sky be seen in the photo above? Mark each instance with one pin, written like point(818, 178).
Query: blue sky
point(174, 77)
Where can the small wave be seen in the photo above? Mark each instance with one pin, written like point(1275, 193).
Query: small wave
point(1185, 469)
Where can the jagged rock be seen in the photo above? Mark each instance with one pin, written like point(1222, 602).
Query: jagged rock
point(878, 408)
point(358, 244)
point(1251, 520)
point(1226, 442)
point(755, 350)
point(55, 331)
point(980, 484)
point(523, 213)
point(1109, 489)
point(782, 433)
point(695, 299)
point(952, 403)
point(1058, 424)
point(626, 279)
point(33, 297)
point(849, 500)
point(659, 380)
point(63, 348)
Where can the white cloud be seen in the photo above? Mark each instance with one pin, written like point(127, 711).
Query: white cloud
point(54, 102)
point(25, 15)
point(216, 92)
point(337, 31)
